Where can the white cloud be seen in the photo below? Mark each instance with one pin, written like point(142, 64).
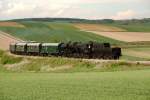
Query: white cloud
point(63, 8)
point(16, 8)
point(128, 14)
point(35, 9)
point(0, 4)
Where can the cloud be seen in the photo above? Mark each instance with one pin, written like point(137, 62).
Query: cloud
point(128, 14)
point(70, 8)
point(111, 1)
point(20, 9)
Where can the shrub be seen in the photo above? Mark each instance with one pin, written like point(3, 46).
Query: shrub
point(6, 59)
point(1, 53)
point(83, 64)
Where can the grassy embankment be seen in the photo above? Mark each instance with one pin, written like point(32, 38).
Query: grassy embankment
point(7, 59)
point(58, 64)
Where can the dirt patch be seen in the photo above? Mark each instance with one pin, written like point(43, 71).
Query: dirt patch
point(98, 27)
point(17, 65)
point(48, 68)
point(101, 63)
point(114, 32)
point(125, 36)
point(11, 24)
point(6, 39)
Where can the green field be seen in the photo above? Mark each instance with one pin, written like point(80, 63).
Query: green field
point(128, 85)
point(133, 27)
point(136, 53)
point(38, 78)
point(53, 32)
point(44, 31)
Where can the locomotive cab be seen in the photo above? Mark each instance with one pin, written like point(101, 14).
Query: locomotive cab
point(116, 52)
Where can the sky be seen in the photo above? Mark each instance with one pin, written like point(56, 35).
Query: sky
point(88, 9)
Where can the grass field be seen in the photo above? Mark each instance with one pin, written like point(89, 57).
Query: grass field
point(53, 32)
point(63, 32)
point(116, 32)
point(10, 24)
point(128, 85)
point(98, 27)
point(132, 27)
point(116, 26)
point(136, 53)
point(71, 79)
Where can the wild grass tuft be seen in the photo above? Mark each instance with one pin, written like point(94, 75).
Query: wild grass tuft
point(1, 53)
point(6, 59)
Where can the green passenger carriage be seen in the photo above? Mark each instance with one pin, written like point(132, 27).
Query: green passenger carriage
point(33, 48)
point(49, 48)
point(21, 48)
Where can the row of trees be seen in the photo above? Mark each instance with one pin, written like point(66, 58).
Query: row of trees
point(76, 20)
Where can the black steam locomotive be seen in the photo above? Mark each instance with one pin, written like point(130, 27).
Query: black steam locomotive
point(90, 50)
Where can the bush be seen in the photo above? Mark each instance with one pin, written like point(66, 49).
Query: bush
point(1, 53)
point(5, 59)
point(83, 64)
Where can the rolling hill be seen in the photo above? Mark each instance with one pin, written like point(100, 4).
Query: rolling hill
point(133, 25)
point(71, 29)
point(52, 32)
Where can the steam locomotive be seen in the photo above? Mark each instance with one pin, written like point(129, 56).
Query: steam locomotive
point(90, 50)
